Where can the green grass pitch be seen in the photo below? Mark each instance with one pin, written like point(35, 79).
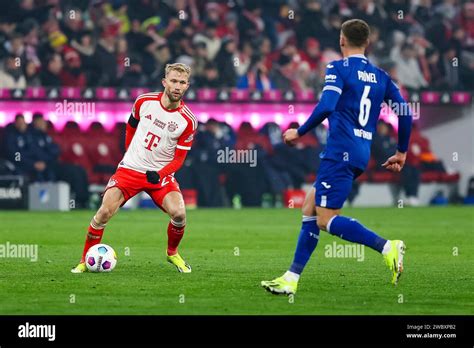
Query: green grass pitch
point(231, 251)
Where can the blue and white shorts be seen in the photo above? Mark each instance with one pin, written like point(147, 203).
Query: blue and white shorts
point(334, 183)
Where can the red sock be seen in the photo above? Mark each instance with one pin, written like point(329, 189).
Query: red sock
point(175, 234)
point(93, 237)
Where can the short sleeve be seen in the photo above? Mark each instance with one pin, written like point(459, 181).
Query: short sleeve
point(140, 100)
point(392, 92)
point(333, 79)
point(186, 139)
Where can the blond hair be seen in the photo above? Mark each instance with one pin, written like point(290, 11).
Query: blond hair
point(179, 67)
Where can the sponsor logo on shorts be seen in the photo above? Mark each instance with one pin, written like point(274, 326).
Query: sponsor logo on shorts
point(326, 185)
point(112, 182)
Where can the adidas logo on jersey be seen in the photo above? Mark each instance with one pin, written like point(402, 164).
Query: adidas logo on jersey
point(148, 117)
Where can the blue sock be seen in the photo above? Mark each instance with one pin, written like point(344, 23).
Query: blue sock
point(352, 231)
point(307, 241)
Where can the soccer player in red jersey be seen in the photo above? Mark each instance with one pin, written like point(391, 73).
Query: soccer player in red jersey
point(159, 134)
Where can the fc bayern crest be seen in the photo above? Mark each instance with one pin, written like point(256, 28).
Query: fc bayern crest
point(172, 126)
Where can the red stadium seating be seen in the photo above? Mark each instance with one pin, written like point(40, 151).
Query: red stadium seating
point(384, 177)
point(103, 146)
point(430, 176)
point(91, 149)
point(364, 177)
point(450, 178)
point(71, 141)
point(190, 197)
point(294, 198)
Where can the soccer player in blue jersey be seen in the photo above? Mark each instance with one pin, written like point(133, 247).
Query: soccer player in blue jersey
point(352, 98)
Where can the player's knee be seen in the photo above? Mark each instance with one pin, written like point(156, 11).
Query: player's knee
point(308, 211)
point(309, 208)
point(104, 214)
point(322, 222)
point(178, 215)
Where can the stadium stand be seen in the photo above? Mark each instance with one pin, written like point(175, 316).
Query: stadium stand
point(240, 51)
point(259, 44)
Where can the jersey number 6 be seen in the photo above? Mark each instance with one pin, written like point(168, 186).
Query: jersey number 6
point(365, 105)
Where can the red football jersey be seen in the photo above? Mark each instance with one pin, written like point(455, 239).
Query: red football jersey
point(159, 133)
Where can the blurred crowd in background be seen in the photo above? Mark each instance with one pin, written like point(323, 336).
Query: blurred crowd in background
point(255, 45)
point(258, 44)
point(89, 157)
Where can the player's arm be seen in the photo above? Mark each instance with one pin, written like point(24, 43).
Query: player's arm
point(130, 130)
point(327, 104)
point(132, 124)
point(396, 162)
point(184, 144)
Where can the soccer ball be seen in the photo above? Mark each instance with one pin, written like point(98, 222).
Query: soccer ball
point(101, 258)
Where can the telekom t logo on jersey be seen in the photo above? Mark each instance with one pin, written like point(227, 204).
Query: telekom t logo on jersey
point(151, 140)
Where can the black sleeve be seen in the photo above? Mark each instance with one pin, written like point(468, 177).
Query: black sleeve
point(132, 121)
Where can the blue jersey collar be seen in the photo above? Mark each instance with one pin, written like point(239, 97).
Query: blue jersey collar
point(357, 56)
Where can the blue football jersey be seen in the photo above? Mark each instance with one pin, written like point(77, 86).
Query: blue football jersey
point(362, 88)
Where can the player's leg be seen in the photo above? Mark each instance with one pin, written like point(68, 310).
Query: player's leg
point(308, 237)
point(307, 241)
point(170, 199)
point(348, 229)
point(333, 186)
point(173, 204)
point(113, 199)
point(353, 231)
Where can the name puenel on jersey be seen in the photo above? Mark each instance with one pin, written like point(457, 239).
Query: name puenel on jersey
point(362, 87)
point(366, 76)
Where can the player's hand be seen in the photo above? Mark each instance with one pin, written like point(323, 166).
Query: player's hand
point(152, 177)
point(396, 162)
point(290, 136)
